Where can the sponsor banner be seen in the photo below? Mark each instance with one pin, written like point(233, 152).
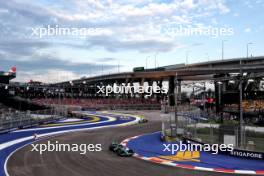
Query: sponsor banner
point(247, 154)
point(236, 152)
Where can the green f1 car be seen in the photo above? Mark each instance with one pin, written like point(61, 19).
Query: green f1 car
point(120, 150)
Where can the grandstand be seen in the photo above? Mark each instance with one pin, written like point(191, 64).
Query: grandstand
point(17, 112)
point(82, 93)
point(52, 102)
point(4, 109)
point(100, 103)
point(5, 77)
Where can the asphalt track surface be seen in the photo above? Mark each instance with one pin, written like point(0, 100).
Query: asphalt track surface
point(104, 163)
point(10, 142)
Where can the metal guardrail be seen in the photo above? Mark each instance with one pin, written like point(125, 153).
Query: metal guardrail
point(19, 120)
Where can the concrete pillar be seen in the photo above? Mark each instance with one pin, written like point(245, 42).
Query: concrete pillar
point(142, 84)
point(179, 90)
point(159, 96)
point(171, 91)
point(126, 84)
point(150, 83)
point(132, 84)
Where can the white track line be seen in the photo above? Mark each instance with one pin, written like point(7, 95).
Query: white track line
point(8, 144)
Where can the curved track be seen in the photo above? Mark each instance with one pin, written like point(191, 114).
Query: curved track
point(10, 142)
point(104, 163)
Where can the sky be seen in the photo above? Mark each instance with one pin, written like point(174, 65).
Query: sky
point(109, 36)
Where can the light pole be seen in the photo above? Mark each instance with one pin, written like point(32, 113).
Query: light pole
point(102, 69)
point(187, 57)
point(208, 58)
point(204, 91)
point(176, 83)
point(71, 85)
point(118, 66)
point(241, 121)
point(89, 71)
point(223, 48)
point(156, 59)
point(188, 51)
point(219, 99)
point(250, 43)
point(147, 61)
point(84, 89)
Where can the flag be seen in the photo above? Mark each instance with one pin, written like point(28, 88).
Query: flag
point(13, 70)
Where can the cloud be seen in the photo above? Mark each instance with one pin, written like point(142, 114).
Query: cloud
point(20, 48)
point(236, 14)
point(142, 45)
point(106, 60)
point(247, 30)
point(115, 16)
point(44, 63)
point(50, 76)
point(131, 25)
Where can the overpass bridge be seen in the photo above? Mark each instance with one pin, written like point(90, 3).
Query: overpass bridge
point(190, 72)
point(213, 71)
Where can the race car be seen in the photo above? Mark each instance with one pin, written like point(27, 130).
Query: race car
point(120, 150)
point(142, 120)
point(113, 146)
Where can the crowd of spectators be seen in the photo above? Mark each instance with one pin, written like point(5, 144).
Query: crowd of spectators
point(248, 106)
point(5, 112)
point(95, 103)
point(5, 109)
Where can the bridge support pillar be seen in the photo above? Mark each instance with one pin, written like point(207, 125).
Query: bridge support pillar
point(159, 96)
point(142, 84)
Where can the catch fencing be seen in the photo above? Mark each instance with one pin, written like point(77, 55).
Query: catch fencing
point(10, 121)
